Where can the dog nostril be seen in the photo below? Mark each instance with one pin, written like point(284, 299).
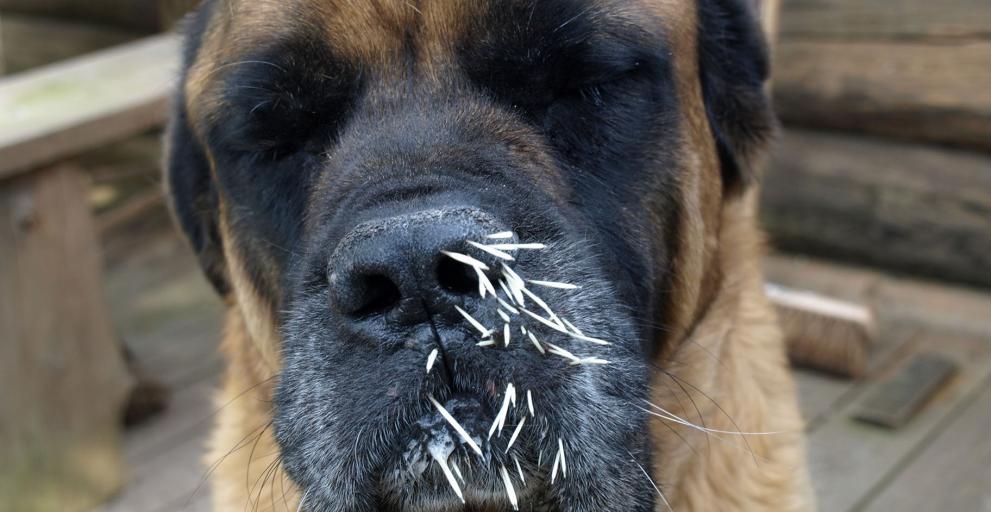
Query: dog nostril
point(378, 295)
point(456, 277)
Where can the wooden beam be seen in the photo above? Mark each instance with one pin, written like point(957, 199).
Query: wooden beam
point(3, 54)
point(850, 462)
point(911, 90)
point(66, 108)
point(950, 473)
point(898, 206)
point(903, 20)
point(63, 380)
point(144, 15)
point(42, 41)
point(135, 14)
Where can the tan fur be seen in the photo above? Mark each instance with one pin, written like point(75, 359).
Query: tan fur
point(370, 32)
point(242, 454)
point(730, 373)
point(723, 358)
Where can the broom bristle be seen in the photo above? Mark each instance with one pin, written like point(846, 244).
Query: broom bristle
point(824, 333)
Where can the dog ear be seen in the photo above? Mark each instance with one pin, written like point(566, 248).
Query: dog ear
point(189, 183)
point(733, 67)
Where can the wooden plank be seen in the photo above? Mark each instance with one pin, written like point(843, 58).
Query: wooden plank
point(192, 410)
point(164, 309)
point(849, 461)
point(174, 478)
point(175, 331)
point(952, 472)
point(166, 481)
point(42, 41)
point(63, 380)
point(900, 20)
point(135, 14)
point(920, 210)
point(907, 90)
point(894, 402)
point(67, 108)
point(3, 54)
point(821, 395)
point(145, 15)
point(140, 205)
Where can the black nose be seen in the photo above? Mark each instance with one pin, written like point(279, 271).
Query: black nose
point(396, 269)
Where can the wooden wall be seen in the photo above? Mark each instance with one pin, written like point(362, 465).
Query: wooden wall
point(886, 152)
point(141, 15)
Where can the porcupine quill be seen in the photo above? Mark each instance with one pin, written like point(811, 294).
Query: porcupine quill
point(515, 288)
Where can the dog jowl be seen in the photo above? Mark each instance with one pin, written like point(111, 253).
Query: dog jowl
point(328, 157)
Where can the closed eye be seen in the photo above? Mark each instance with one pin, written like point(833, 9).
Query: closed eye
point(283, 106)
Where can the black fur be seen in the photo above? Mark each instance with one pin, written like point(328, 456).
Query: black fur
point(311, 145)
point(192, 193)
point(733, 69)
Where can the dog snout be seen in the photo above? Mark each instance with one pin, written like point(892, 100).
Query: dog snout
point(395, 269)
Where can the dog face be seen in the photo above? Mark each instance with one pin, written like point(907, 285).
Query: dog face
point(324, 153)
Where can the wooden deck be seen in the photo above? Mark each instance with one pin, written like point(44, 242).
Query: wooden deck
point(939, 461)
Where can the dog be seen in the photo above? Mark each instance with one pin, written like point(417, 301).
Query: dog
point(330, 160)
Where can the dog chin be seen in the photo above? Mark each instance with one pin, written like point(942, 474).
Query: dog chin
point(437, 469)
point(482, 490)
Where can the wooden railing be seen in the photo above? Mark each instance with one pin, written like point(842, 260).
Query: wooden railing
point(63, 379)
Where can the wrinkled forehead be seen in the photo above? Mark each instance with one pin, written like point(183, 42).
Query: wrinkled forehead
point(383, 37)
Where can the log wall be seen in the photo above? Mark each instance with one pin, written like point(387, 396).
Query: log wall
point(886, 155)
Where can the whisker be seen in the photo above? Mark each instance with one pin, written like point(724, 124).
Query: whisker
point(675, 418)
point(216, 464)
point(717, 406)
point(651, 480)
point(302, 501)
